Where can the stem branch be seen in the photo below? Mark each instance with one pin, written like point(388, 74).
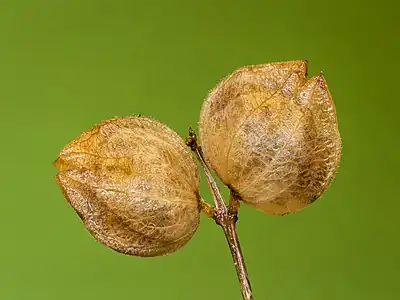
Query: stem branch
point(226, 218)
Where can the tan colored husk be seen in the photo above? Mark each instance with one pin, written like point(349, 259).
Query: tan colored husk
point(134, 183)
point(272, 135)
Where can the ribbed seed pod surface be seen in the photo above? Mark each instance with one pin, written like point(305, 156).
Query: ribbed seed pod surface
point(271, 135)
point(134, 183)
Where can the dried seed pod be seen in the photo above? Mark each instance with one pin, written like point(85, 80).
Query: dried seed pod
point(272, 136)
point(134, 183)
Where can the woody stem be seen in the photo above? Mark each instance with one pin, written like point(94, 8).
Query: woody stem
point(226, 217)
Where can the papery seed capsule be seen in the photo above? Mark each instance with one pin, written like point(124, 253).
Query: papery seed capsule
point(134, 183)
point(272, 136)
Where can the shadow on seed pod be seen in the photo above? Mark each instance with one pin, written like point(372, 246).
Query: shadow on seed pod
point(271, 135)
point(134, 184)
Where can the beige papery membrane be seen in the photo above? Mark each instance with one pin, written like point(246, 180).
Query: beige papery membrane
point(271, 135)
point(134, 184)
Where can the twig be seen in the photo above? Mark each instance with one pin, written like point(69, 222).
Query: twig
point(226, 217)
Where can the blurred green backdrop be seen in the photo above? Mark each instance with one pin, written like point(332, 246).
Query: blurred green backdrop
point(66, 65)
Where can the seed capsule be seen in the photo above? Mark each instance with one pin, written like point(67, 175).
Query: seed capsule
point(272, 136)
point(134, 184)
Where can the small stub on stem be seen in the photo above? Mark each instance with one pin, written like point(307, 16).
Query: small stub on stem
point(191, 141)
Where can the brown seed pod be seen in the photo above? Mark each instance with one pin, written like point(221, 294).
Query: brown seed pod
point(134, 183)
point(272, 136)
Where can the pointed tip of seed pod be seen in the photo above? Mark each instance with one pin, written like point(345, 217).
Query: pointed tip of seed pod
point(61, 164)
point(320, 79)
point(57, 163)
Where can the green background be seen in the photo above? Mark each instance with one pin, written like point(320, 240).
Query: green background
point(66, 65)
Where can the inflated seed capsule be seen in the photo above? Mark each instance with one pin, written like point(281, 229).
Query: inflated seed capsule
point(271, 135)
point(134, 183)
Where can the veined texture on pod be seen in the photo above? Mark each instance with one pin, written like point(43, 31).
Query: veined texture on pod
point(271, 135)
point(134, 183)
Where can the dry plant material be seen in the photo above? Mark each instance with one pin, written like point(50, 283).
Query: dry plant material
point(135, 185)
point(269, 133)
point(272, 136)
